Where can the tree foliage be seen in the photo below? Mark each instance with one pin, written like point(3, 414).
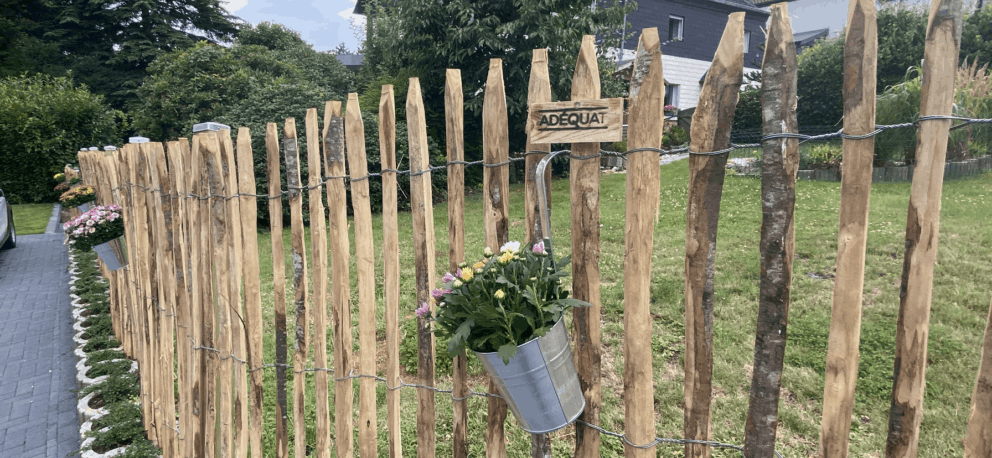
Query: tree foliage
point(426, 37)
point(44, 121)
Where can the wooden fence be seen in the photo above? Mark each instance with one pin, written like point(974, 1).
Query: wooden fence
point(189, 307)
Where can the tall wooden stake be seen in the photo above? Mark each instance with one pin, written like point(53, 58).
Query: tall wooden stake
point(365, 265)
point(860, 61)
point(391, 265)
point(423, 246)
point(252, 292)
point(292, 157)
point(455, 130)
point(978, 438)
point(780, 161)
point(495, 215)
point(923, 228)
point(539, 91)
point(584, 184)
point(647, 100)
point(278, 283)
point(710, 132)
point(318, 255)
point(334, 163)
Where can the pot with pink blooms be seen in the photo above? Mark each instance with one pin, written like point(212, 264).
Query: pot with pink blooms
point(102, 230)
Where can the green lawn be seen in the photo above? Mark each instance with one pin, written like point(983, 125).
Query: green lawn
point(31, 218)
point(960, 306)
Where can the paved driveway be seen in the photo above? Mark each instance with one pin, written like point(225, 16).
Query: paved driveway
point(37, 367)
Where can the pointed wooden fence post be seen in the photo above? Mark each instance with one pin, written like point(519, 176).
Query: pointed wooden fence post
point(978, 438)
point(252, 291)
point(711, 126)
point(454, 132)
point(318, 256)
point(278, 283)
point(584, 184)
point(365, 267)
point(923, 228)
point(302, 332)
point(495, 215)
point(391, 266)
point(423, 247)
point(334, 163)
point(779, 163)
point(539, 91)
point(647, 100)
point(860, 60)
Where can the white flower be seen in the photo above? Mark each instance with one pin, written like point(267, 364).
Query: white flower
point(510, 246)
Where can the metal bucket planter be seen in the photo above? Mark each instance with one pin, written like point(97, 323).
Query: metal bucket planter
point(83, 208)
point(540, 385)
point(112, 253)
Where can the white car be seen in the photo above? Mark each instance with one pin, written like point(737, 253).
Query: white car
point(8, 237)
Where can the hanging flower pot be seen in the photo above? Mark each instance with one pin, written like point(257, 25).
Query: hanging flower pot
point(540, 384)
point(508, 309)
point(112, 253)
point(83, 208)
point(79, 197)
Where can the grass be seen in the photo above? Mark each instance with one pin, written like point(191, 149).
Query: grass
point(31, 218)
point(960, 308)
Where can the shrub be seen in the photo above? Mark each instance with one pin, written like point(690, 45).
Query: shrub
point(43, 122)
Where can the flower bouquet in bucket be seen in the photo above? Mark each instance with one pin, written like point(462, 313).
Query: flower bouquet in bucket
point(508, 309)
point(99, 229)
point(80, 197)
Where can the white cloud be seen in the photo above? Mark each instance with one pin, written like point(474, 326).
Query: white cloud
point(348, 16)
point(234, 5)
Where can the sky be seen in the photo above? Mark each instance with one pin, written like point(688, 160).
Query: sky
point(326, 23)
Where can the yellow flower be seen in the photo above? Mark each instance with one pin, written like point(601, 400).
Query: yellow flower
point(478, 265)
point(506, 257)
point(467, 274)
point(499, 294)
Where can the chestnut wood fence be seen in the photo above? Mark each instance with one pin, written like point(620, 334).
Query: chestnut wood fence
point(188, 307)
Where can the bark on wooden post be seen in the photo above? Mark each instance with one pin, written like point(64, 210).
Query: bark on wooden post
point(178, 155)
point(584, 184)
point(302, 337)
point(318, 256)
point(278, 283)
point(860, 62)
point(252, 292)
point(454, 129)
point(647, 100)
point(539, 91)
point(923, 228)
point(423, 247)
point(711, 126)
point(495, 215)
point(391, 265)
point(201, 297)
point(978, 438)
point(780, 161)
point(235, 313)
point(365, 267)
point(147, 312)
point(334, 163)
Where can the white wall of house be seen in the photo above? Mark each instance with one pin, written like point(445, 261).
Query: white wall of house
point(686, 73)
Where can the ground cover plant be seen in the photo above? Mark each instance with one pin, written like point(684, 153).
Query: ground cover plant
point(960, 307)
point(118, 393)
point(31, 218)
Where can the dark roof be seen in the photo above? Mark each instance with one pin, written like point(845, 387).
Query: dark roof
point(351, 61)
point(742, 4)
point(810, 35)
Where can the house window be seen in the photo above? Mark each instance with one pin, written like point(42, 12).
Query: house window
point(675, 26)
point(672, 94)
point(747, 42)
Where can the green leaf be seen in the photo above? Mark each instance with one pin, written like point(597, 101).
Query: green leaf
point(507, 351)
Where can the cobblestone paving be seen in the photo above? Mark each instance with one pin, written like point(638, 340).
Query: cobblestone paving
point(37, 368)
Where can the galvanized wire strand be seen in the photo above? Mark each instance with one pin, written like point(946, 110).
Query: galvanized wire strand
point(661, 440)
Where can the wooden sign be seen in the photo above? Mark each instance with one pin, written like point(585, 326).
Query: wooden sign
point(576, 121)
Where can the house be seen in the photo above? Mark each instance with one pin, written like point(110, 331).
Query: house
point(690, 31)
point(804, 40)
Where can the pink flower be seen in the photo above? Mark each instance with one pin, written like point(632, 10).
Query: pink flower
point(447, 277)
point(539, 247)
point(424, 311)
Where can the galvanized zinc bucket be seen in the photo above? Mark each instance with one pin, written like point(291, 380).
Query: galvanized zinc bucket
point(540, 385)
point(83, 208)
point(112, 253)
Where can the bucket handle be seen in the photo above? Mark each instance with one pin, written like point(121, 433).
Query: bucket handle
point(542, 198)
